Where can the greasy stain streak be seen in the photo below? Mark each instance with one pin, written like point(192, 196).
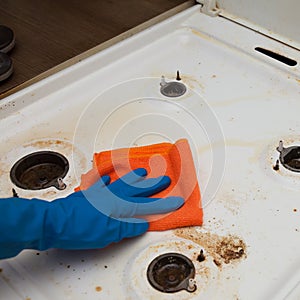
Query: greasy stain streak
point(49, 143)
point(223, 249)
point(201, 35)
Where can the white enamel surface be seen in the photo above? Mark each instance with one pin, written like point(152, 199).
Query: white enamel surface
point(251, 99)
point(276, 18)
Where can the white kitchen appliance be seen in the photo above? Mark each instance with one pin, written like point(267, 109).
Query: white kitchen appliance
point(235, 97)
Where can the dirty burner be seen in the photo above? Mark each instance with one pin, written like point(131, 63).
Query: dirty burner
point(172, 272)
point(173, 88)
point(40, 170)
point(289, 157)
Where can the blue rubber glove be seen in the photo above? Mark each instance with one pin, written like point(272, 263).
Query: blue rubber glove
point(103, 214)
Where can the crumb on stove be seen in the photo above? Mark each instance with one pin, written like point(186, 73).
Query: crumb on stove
point(217, 263)
point(98, 288)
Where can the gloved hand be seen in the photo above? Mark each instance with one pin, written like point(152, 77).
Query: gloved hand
point(103, 214)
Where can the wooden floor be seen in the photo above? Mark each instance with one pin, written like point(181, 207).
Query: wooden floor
point(50, 32)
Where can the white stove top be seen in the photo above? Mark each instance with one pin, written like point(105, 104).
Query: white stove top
point(239, 104)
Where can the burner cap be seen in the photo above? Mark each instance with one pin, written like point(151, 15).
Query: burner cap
point(172, 89)
point(40, 170)
point(172, 272)
point(7, 39)
point(289, 157)
point(6, 66)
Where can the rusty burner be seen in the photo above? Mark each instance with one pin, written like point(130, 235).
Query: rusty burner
point(172, 272)
point(289, 157)
point(40, 170)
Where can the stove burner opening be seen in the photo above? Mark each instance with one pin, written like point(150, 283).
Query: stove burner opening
point(279, 57)
point(172, 89)
point(172, 272)
point(40, 170)
point(289, 157)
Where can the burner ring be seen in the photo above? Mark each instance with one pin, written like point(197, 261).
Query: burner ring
point(289, 157)
point(172, 89)
point(172, 272)
point(40, 170)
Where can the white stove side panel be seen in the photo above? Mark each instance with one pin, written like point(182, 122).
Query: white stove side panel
point(277, 18)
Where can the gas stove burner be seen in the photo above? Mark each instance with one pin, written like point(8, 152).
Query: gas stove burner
point(289, 157)
point(6, 66)
point(40, 170)
point(173, 88)
point(172, 272)
point(7, 39)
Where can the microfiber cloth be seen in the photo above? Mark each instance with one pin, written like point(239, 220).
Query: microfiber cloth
point(174, 160)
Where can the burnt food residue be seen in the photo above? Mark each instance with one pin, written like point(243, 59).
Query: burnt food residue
point(222, 249)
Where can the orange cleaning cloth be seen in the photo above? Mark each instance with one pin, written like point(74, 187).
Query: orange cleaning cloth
point(173, 160)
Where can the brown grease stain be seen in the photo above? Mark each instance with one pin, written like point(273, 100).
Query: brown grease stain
point(98, 288)
point(192, 81)
point(180, 245)
point(201, 35)
point(47, 143)
point(223, 249)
